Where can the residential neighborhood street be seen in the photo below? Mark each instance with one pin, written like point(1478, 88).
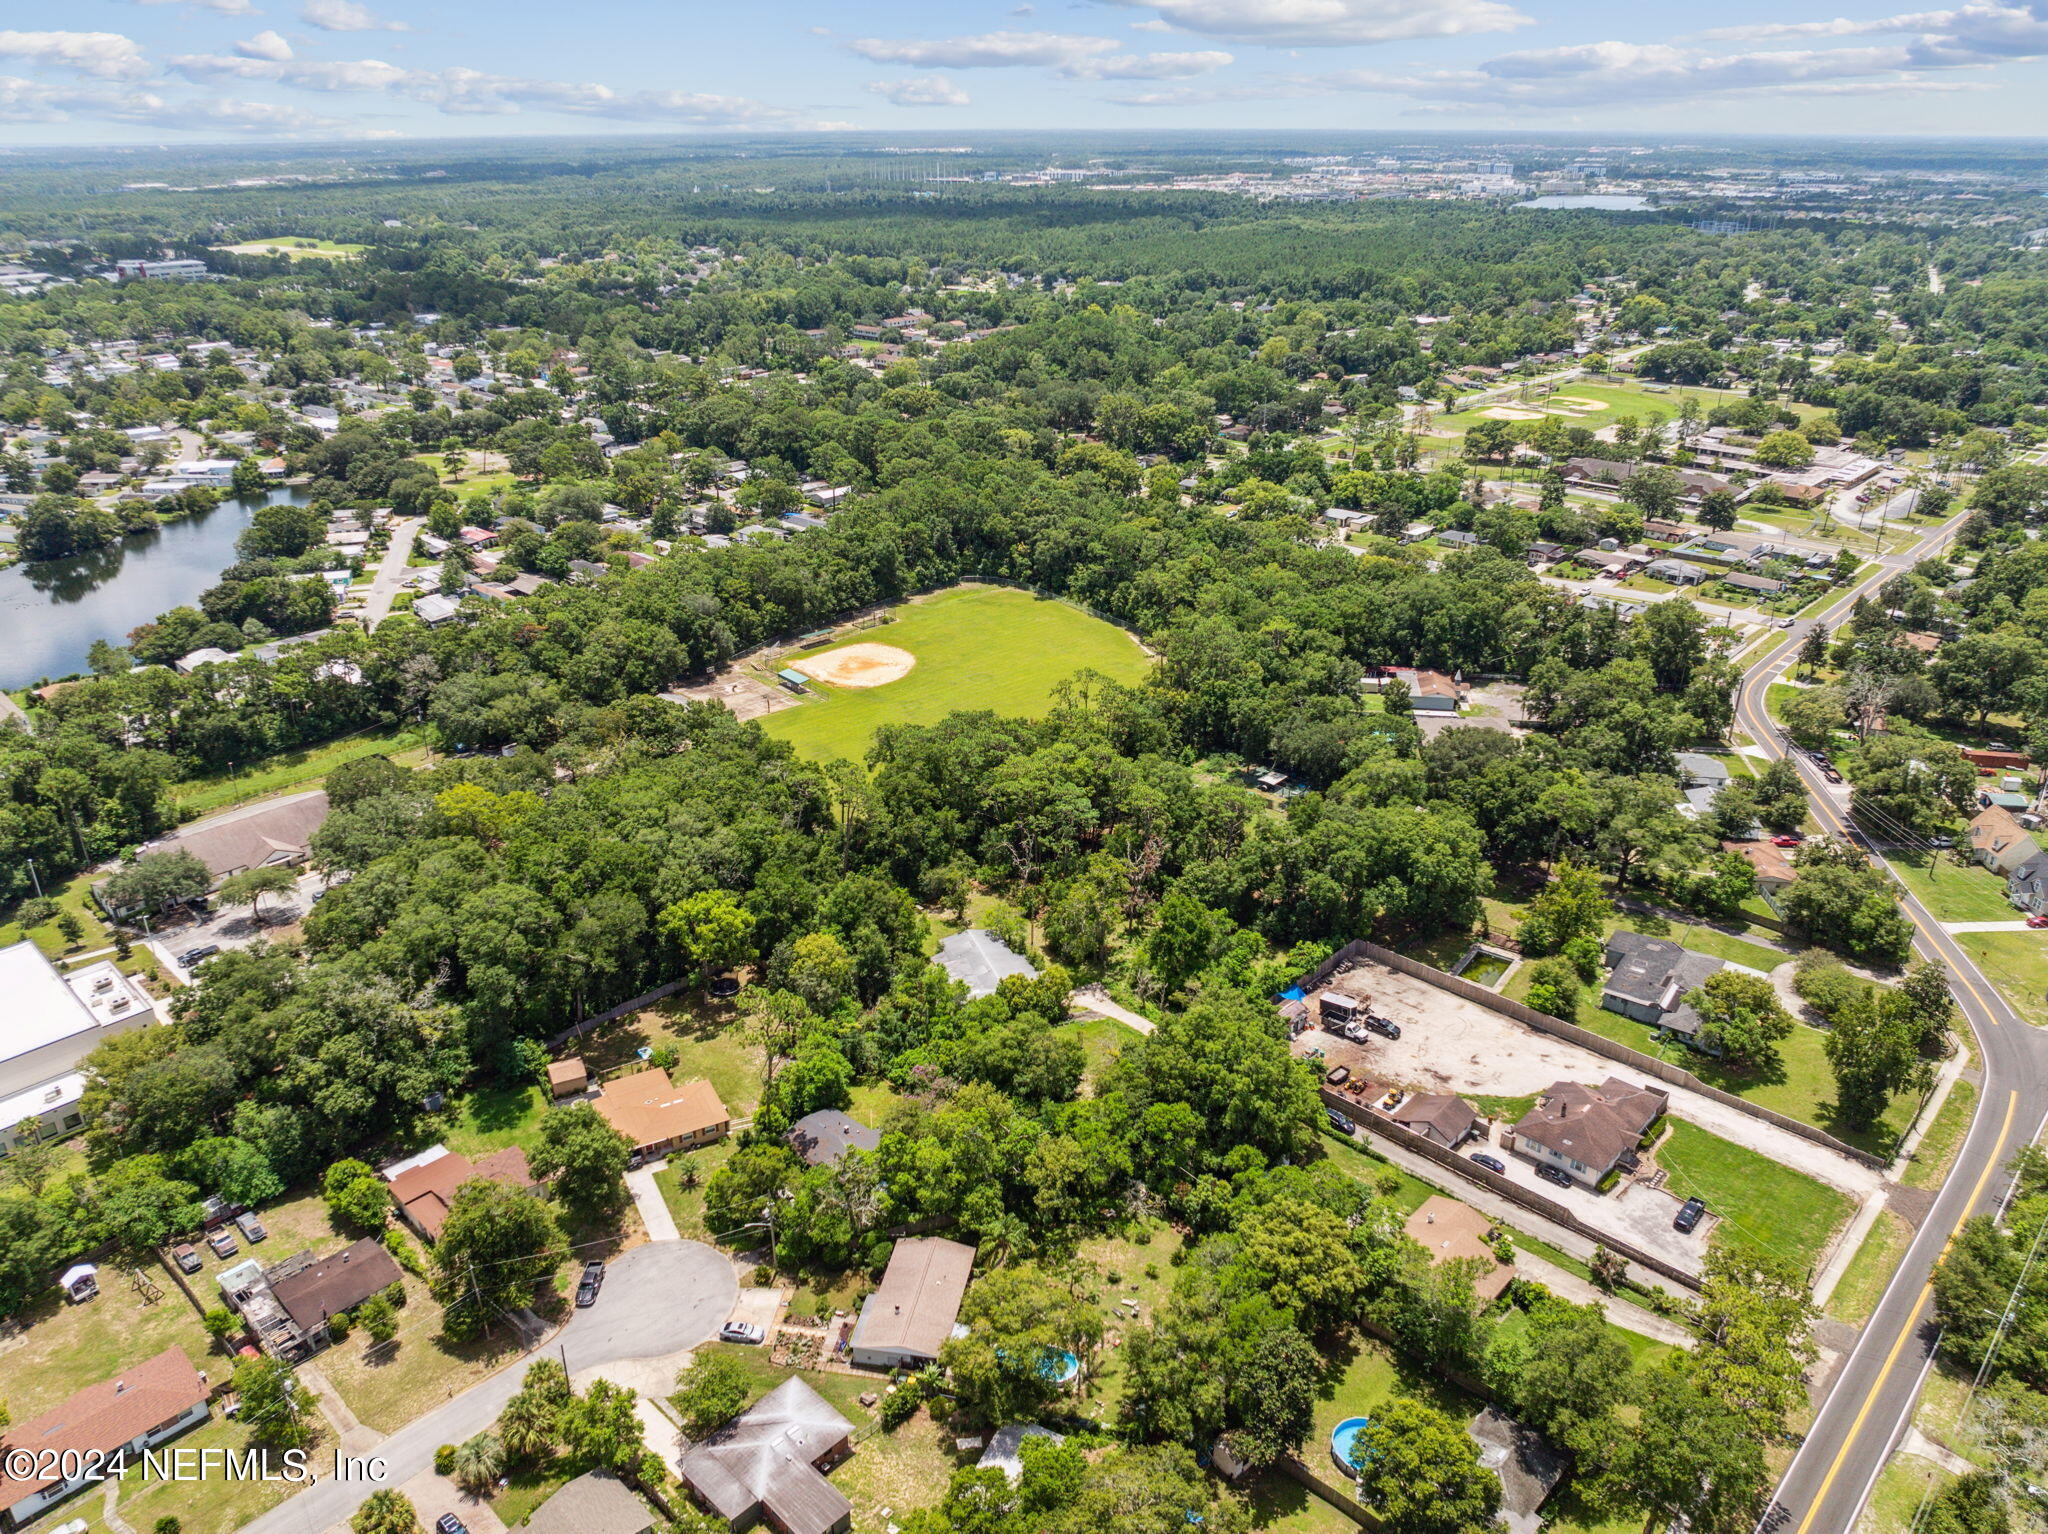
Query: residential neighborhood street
point(392, 571)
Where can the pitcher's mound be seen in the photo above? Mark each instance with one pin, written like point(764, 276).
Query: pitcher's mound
point(859, 665)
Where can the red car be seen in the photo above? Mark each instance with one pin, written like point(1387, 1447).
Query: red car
point(1788, 841)
point(2038, 921)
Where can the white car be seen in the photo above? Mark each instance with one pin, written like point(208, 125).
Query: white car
point(742, 1331)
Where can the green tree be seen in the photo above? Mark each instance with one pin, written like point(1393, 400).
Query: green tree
point(1740, 1018)
point(1020, 1320)
point(1182, 942)
point(710, 1393)
point(280, 1412)
point(379, 1318)
point(157, 881)
point(1573, 904)
point(1554, 988)
point(585, 1160)
point(600, 1427)
point(1784, 450)
point(498, 1245)
point(479, 1461)
point(250, 886)
point(1873, 1048)
point(357, 1197)
point(1418, 1471)
point(530, 1425)
point(1688, 1456)
point(713, 930)
point(1812, 715)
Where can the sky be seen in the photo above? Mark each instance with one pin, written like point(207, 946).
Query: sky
point(172, 71)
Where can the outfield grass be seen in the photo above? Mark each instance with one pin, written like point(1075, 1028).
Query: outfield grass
point(1952, 892)
point(977, 647)
point(1763, 1204)
point(287, 771)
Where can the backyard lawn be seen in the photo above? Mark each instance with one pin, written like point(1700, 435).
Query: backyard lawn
point(1102, 1039)
point(62, 1348)
point(1763, 1204)
point(1952, 891)
point(287, 771)
point(418, 1370)
point(976, 647)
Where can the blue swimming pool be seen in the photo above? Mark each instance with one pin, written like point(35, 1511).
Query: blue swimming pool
point(1059, 1367)
point(1342, 1437)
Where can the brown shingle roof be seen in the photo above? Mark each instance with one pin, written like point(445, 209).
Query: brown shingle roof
point(1439, 1116)
point(918, 1301)
point(1595, 1126)
point(426, 1192)
point(648, 1109)
point(596, 1503)
point(1447, 1229)
point(336, 1283)
point(278, 832)
point(106, 1416)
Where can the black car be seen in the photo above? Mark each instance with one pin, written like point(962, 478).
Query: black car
point(1688, 1218)
point(1491, 1163)
point(192, 956)
point(1384, 1027)
point(1339, 1122)
point(448, 1523)
point(1554, 1174)
point(591, 1282)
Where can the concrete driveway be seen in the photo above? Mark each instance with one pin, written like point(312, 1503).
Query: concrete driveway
point(432, 1495)
point(658, 1299)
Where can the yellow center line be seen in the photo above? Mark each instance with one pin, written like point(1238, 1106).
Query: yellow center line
point(1820, 1497)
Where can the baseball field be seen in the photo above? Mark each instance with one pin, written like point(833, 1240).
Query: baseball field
point(973, 647)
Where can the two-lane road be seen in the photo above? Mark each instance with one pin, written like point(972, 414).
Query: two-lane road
point(1871, 1403)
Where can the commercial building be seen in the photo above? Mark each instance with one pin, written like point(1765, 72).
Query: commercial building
point(49, 1023)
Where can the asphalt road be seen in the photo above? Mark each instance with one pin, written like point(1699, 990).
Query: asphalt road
point(657, 1299)
point(391, 573)
point(1871, 1403)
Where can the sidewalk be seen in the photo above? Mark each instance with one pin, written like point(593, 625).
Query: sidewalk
point(654, 1212)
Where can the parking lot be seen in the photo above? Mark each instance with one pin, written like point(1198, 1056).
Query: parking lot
point(234, 927)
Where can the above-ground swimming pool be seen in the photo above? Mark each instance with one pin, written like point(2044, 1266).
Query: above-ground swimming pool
point(1342, 1437)
point(1058, 1367)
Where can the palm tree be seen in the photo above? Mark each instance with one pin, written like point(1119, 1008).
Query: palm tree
point(527, 1426)
point(478, 1463)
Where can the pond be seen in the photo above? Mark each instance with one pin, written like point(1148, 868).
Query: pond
point(51, 612)
point(1485, 969)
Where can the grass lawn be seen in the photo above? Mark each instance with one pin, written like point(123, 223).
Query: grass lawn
point(1102, 1039)
point(686, 1204)
point(2017, 963)
point(1137, 1265)
point(1895, 1500)
point(287, 771)
point(1609, 404)
point(1707, 940)
point(1863, 1282)
point(1410, 1192)
point(1372, 1374)
point(219, 1504)
point(74, 896)
point(1953, 892)
point(418, 1370)
point(491, 1118)
point(1763, 1205)
point(62, 1348)
point(298, 246)
point(976, 648)
point(1276, 1505)
point(707, 1044)
point(1936, 1151)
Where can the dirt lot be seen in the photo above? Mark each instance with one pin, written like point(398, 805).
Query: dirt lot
point(1448, 1044)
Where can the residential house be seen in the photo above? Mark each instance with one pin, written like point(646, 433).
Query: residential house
point(277, 833)
point(1438, 1117)
point(65, 1449)
point(1428, 691)
point(595, 1503)
point(659, 1116)
point(49, 1024)
point(768, 1464)
point(1759, 585)
point(312, 1291)
point(1588, 1131)
point(2000, 842)
point(1529, 1467)
point(823, 1138)
point(434, 609)
point(1648, 978)
point(912, 1313)
point(981, 961)
point(424, 1186)
point(207, 655)
point(1449, 1230)
point(1457, 538)
point(1597, 471)
point(1773, 865)
point(1678, 572)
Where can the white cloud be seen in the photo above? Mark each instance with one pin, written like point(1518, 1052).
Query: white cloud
point(265, 45)
point(1332, 23)
point(1150, 24)
point(1976, 33)
point(472, 92)
point(933, 91)
point(103, 55)
point(346, 16)
point(224, 7)
point(44, 101)
point(1148, 66)
point(989, 50)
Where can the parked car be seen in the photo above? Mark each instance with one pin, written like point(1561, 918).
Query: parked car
point(1337, 1075)
point(590, 1283)
point(1688, 1217)
point(251, 1227)
point(1339, 1122)
point(1788, 841)
point(223, 1243)
point(1355, 1032)
point(187, 1259)
point(635, 1159)
point(1491, 1163)
point(1941, 843)
point(743, 1331)
point(199, 955)
point(1830, 774)
point(2038, 919)
point(1554, 1174)
point(448, 1523)
point(1384, 1027)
